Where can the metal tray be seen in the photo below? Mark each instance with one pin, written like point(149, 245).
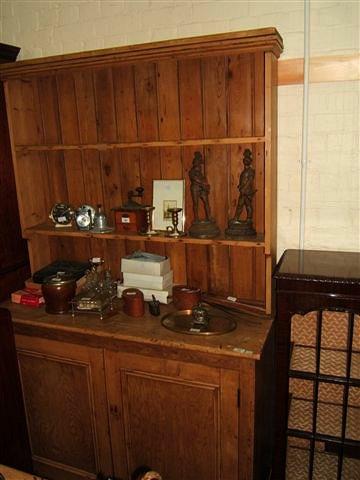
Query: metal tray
point(182, 321)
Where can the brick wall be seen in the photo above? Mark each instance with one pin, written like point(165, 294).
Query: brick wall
point(332, 217)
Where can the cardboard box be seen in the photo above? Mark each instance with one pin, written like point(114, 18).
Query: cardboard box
point(164, 296)
point(146, 267)
point(155, 282)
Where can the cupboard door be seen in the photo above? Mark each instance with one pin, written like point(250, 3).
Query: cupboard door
point(178, 418)
point(65, 403)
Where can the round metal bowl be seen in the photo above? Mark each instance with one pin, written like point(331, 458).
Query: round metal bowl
point(182, 321)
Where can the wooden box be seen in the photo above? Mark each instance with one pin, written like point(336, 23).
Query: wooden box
point(131, 221)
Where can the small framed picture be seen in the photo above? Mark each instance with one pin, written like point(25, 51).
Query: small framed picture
point(167, 194)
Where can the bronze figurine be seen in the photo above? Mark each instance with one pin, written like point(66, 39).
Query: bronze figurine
point(200, 190)
point(236, 226)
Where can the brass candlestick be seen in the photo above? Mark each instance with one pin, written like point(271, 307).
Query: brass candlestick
point(149, 231)
point(174, 231)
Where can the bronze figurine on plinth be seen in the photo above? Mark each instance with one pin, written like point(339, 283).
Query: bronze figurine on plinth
point(236, 226)
point(200, 190)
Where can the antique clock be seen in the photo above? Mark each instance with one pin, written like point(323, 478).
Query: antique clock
point(84, 217)
point(62, 214)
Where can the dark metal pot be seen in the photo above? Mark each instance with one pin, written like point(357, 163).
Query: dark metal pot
point(58, 291)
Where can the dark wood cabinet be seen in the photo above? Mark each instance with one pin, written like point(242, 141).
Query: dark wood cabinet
point(14, 441)
point(14, 260)
point(317, 365)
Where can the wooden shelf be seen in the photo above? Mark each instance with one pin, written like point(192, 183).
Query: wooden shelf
point(153, 144)
point(51, 230)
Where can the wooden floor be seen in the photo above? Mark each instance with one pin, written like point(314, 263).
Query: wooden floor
point(11, 474)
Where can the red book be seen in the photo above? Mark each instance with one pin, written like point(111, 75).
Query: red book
point(28, 296)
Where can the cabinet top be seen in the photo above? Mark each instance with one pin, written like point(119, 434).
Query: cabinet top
point(147, 335)
point(341, 267)
point(264, 39)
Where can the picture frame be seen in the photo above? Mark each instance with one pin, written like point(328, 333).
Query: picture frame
point(168, 194)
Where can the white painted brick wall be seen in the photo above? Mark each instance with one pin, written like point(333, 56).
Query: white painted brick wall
point(332, 220)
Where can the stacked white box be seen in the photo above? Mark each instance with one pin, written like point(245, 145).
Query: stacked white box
point(151, 274)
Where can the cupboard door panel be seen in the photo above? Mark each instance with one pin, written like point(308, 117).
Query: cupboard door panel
point(43, 380)
point(63, 387)
point(174, 413)
point(157, 406)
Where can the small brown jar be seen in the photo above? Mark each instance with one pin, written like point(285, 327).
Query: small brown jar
point(58, 291)
point(185, 298)
point(134, 305)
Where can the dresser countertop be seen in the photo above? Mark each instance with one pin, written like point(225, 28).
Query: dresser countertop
point(144, 335)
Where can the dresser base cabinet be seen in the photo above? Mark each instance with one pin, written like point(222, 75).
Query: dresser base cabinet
point(109, 396)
